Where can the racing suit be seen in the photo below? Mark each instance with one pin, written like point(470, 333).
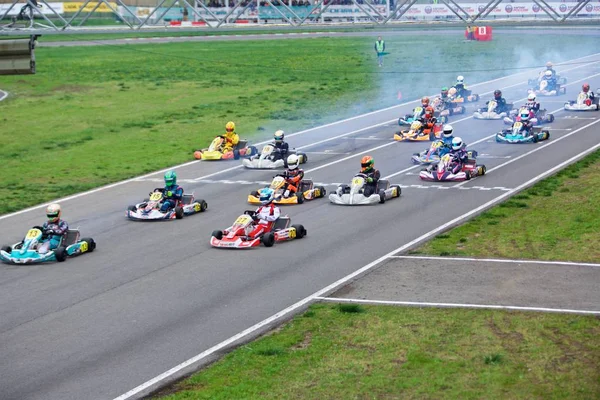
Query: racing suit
point(533, 106)
point(231, 141)
point(551, 84)
point(589, 97)
point(461, 157)
point(54, 232)
point(500, 105)
point(461, 90)
point(171, 196)
point(428, 124)
point(293, 177)
point(542, 74)
point(446, 145)
point(371, 183)
point(264, 215)
point(281, 150)
point(527, 125)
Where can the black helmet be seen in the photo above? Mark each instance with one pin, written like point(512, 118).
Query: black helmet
point(497, 93)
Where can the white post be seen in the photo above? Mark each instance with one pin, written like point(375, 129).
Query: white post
point(387, 8)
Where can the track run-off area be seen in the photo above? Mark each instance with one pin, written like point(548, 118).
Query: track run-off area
point(154, 300)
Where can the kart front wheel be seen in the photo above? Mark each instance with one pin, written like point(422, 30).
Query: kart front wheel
point(268, 239)
point(381, 196)
point(132, 208)
point(60, 254)
point(300, 197)
point(300, 231)
point(6, 249)
point(218, 235)
point(236, 154)
point(91, 244)
point(178, 212)
point(322, 191)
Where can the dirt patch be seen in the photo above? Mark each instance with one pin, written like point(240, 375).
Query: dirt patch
point(305, 343)
point(511, 339)
point(71, 88)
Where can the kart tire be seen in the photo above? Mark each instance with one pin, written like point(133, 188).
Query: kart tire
point(91, 244)
point(252, 150)
point(550, 118)
point(535, 138)
point(203, 205)
point(304, 159)
point(481, 170)
point(300, 231)
point(7, 249)
point(322, 191)
point(254, 193)
point(218, 235)
point(300, 197)
point(60, 254)
point(476, 97)
point(546, 135)
point(132, 208)
point(236, 154)
point(398, 189)
point(463, 109)
point(268, 239)
point(381, 196)
point(178, 213)
point(468, 176)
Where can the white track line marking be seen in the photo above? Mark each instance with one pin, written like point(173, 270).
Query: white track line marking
point(335, 285)
point(501, 260)
point(456, 305)
point(112, 185)
point(3, 95)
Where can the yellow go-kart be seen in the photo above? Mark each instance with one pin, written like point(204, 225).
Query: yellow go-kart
point(306, 191)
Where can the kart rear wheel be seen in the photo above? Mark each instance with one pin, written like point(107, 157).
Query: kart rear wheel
point(203, 205)
point(322, 191)
point(535, 138)
point(6, 249)
point(398, 190)
point(546, 135)
point(91, 244)
point(218, 235)
point(381, 196)
point(60, 254)
point(254, 193)
point(300, 197)
point(178, 212)
point(550, 118)
point(304, 159)
point(300, 231)
point(481, 170)
point(236, 154)
point(268, 239)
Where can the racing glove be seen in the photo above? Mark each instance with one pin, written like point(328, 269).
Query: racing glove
point(169, 193)
point(370, 180)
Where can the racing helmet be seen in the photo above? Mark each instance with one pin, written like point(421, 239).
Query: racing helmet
point(444, 92)
point(425, 101)
point(457, 143)
point(170, 178)
point(460, 80)
point(531, 97)
point(585, 87)
point(278, 136)
point(524, 115)
point(452, 92)
point(497, 94)
point(549, 65)
point(293, 161)
point(53, 212)
point(548, 74)
point(447, 130)
point(429, 112)
point(267, 195)
point(230, 126)
point(367, 163)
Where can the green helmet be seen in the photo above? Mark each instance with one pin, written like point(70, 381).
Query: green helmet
point(170, 178)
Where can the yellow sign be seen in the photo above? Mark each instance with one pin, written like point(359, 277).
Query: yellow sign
point(73, 7)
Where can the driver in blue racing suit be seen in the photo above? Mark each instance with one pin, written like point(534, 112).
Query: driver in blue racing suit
point(172, 193)
point(459, 154)
point(54, 229)
point(447, 138)
point(551, 81)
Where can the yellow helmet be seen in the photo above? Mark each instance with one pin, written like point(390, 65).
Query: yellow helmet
point(230, 127)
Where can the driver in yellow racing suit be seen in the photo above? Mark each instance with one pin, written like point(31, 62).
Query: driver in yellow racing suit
point(231, 139)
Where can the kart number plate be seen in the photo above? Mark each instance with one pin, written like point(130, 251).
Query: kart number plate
point(292, 233)
point(197, 207)
point(83, 247)
point(243, 219)
point(32, 233)
point(156, 196)
point(357, 181)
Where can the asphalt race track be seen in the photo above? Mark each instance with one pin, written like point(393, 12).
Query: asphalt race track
point(156, 294)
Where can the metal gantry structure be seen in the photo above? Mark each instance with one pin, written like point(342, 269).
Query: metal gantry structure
point(31, 20)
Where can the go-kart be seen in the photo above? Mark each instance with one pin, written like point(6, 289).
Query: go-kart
point(269, 158)
point(541, 117)
point(410, 118)
point(149, 209)
point(446, 108)
point(535, 81)
point(215, 151)
point(542, 89)
point(431, 155)
point(442, 171)
point(306, 191)
point(353, 195)
point(516, 134)
point(583, 103)
point(26, 251)
point(492, 111)
point(418, 133)
point(466, 96)
point(238, 236)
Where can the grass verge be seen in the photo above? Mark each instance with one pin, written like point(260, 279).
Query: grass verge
point(391, 353)
point(553, 220)
point(95, 115)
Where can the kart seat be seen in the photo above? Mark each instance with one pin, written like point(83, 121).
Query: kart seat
point(281, 223)
point(70, 238)
point(382, 184)
point(305, 185)
point(187, 199)
point(241, 144)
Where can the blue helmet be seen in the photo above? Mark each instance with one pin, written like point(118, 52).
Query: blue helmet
point(266, 196)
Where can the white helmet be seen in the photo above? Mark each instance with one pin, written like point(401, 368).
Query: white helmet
point(548, 73)
point(53, 212)
point(447, 130)
point(524, 115)
point(293, 161)
point(278, 136)
point(457, 143)
point(460, 79)
point(531, 97)
point(548, 65)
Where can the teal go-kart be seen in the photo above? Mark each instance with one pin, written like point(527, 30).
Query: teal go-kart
point(517, 134)
point(26, 251)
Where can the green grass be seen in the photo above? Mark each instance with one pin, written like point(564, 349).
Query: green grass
point(409, 353)
point(553, 220)
point(95, 115)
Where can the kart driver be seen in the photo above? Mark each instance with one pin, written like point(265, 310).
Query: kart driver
point(172, 193)
point(268, 212)
point(231, 138)
point(367, 167)
point(460, 86)
point(428, 120)
point(54, 229)
point(524, 118)
point(281, 147)
point(447, 136)
point(551, 81)
point(444, 94)
point(500, 101)
point(459, 154)
point(531, 104)
point(293, 175)
point(548, 68)
point(585, 88)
